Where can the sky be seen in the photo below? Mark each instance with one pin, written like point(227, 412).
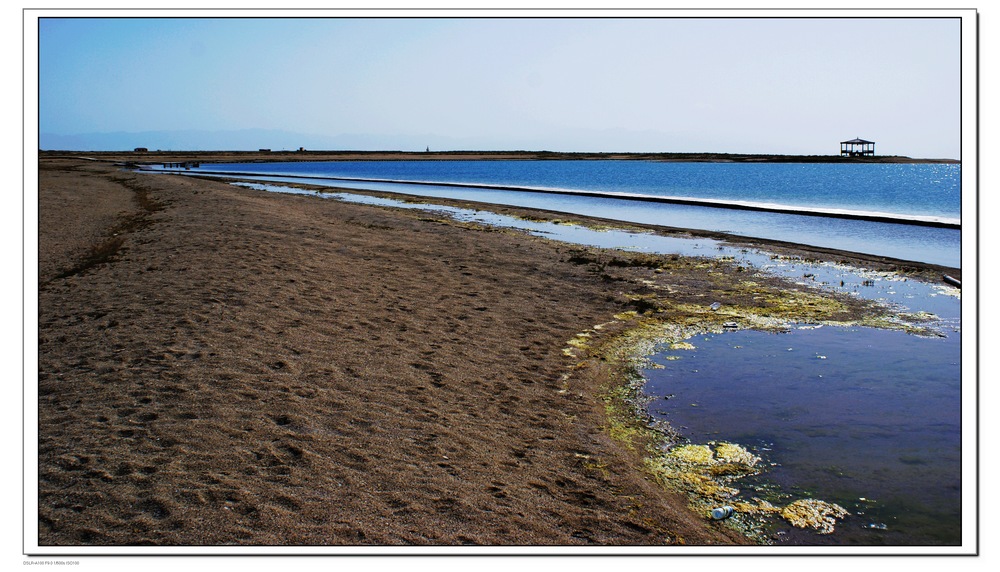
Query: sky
point(722, 84)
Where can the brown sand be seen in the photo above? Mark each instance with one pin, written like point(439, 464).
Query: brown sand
point(221, 366)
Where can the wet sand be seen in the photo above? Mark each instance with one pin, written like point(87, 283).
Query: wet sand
point(222, 366)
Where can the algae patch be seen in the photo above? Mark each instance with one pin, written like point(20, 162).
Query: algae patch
point(707, 471)
point(815, 514)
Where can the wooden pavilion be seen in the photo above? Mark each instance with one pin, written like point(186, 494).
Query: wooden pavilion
point(857, 148)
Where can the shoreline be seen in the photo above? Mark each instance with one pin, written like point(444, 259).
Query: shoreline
point(225, 366)
point(914, 220)
point(318, 155)
point(923, 270)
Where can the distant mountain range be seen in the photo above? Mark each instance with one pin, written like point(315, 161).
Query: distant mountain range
point(579, 140)
point(575, 140)
point(235, 140)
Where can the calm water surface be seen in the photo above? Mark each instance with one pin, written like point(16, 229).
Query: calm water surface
point(866, 418)
point(898, 188)
point(904, 189)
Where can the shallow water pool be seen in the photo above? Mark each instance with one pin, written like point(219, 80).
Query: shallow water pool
point(869, 419)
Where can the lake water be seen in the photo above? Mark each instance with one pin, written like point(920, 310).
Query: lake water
point(902, 190)
point(868, 419)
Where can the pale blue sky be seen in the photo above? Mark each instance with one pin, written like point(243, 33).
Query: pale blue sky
point(757, 85)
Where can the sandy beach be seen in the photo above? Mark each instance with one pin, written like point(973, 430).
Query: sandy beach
point(223, 366)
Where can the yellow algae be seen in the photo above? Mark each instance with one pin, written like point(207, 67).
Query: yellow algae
point(812, 513)
point(758, 506)
point(576, 345)
point(627, 315)
point(705, 469)
point(697, 454)
point(733, 453)
point(705, 487)
point(681, 346)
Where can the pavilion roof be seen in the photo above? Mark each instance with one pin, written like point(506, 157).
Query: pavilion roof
point(857, 141)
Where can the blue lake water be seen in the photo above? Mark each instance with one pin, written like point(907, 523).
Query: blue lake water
point(908, 190)
point(865, 418)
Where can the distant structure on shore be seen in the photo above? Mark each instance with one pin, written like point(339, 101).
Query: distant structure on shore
point(141, 150)
point(857, 148)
